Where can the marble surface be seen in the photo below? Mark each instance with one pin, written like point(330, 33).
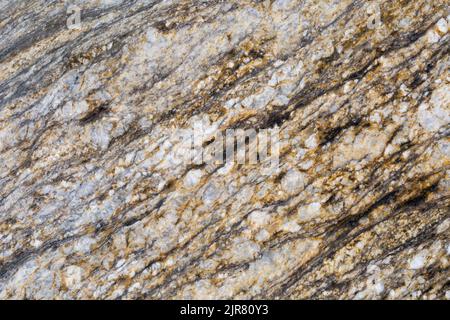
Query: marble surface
point(95, 205)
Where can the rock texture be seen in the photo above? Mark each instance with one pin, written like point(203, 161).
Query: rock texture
point(95, 205)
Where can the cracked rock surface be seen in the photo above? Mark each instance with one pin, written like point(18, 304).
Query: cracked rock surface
point(95, 204)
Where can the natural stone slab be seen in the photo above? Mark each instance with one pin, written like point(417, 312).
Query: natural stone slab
point(96, 204)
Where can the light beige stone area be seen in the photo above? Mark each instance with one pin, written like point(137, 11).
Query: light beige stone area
point(95, 202)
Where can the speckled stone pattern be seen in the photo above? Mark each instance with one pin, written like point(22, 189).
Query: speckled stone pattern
point(95, 205)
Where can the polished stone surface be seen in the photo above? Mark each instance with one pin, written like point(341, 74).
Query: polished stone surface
point(94, 203)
